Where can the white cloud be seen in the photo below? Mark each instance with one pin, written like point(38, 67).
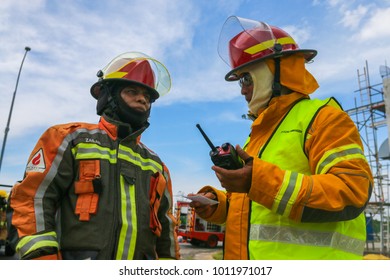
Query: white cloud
point(352, 18)
point(376, 28)
point(299, 33)
point(334, 3)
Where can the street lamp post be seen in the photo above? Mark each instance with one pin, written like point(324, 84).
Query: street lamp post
point(27, 49)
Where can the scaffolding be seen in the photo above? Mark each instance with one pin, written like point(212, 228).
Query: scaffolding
point(369, 115)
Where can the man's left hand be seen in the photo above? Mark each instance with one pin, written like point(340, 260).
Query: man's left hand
point(238, 180)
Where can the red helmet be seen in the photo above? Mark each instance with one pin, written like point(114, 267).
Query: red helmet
point(244, 41)
point(135, 68)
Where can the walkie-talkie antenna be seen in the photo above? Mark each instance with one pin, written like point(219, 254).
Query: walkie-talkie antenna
point(213, 148)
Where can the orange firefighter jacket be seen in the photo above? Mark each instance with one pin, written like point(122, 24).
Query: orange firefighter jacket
point(94, 191)
point(340, 194)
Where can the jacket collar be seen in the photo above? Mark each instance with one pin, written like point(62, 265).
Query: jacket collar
point(277, 108)
point(118, 130)
point(283, 102)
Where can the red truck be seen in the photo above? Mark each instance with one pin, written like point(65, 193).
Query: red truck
point(194, 229)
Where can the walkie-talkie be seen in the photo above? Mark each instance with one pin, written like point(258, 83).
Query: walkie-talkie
point(224, 156)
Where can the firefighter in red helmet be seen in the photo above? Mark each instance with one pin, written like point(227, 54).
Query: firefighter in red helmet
point(134, 69)
point(305, 181)
point(95, 191)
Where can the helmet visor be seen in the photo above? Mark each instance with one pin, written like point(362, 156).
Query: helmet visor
point(234, 26)
point(161, 80)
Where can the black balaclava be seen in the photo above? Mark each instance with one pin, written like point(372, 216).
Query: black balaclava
point(112, 104)
point(126, 114)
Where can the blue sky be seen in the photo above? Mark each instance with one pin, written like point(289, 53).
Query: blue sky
point(71, 40)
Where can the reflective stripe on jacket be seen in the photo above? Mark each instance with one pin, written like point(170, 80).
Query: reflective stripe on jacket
point(105, 197)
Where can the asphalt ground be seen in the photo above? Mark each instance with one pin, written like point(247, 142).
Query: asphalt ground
point(190, 252)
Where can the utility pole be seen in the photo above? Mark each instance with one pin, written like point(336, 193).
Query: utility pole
point(27, 49)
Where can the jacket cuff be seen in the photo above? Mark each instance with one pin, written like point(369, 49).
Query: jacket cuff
point(219, 215)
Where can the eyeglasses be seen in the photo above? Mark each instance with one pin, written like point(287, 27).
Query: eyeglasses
point(245, 80)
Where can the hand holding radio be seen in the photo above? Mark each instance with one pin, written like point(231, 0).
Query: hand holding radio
point(224, 156)
point(239, 180)
point(229, 166)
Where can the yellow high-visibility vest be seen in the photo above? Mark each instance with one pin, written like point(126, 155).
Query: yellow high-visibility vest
point(272, 235)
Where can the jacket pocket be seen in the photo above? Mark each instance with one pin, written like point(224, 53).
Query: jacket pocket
point(88, 188)
point(156, 191)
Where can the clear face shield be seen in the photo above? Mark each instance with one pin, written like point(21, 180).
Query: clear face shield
point(235, 26)
point(162, 78)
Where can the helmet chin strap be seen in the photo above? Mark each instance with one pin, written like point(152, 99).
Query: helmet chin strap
point(105, 99)
point(277, 87)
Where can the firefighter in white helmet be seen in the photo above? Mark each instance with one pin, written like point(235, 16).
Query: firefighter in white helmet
point(95, 191)
point(305, 182)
